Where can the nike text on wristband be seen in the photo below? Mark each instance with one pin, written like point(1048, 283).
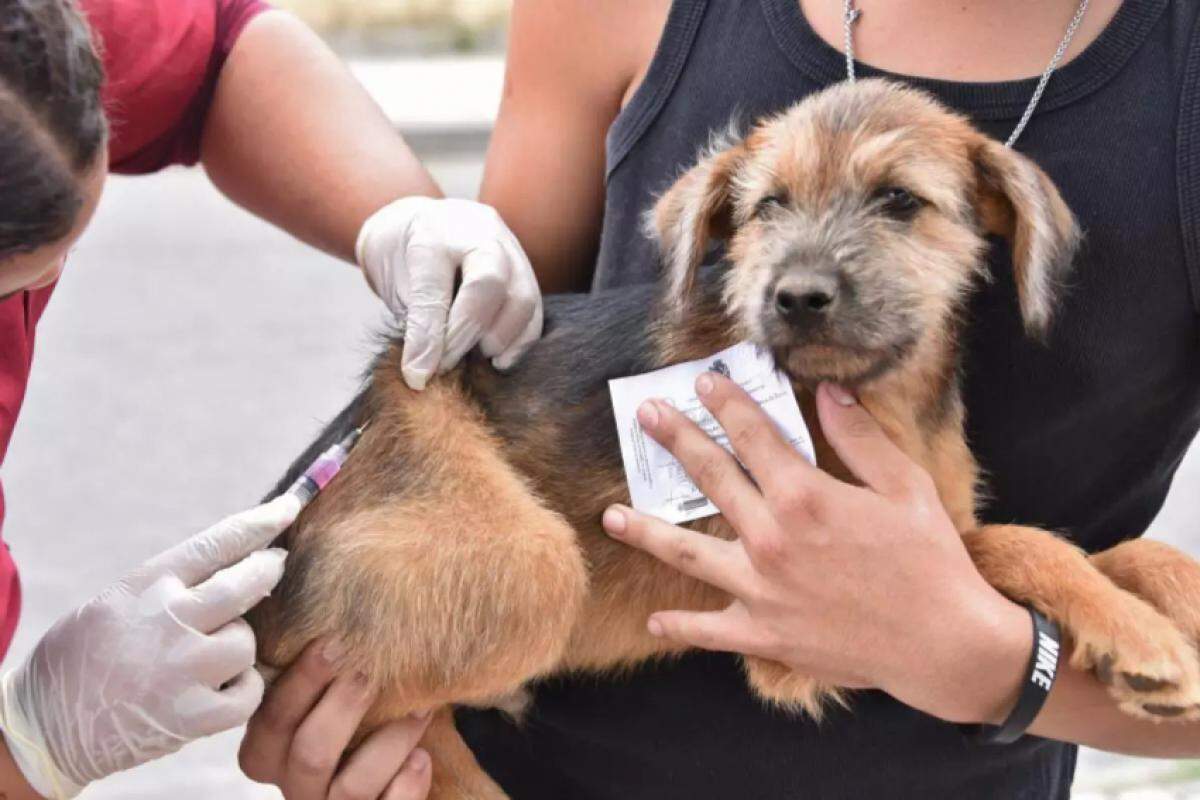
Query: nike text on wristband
point(1039, 680)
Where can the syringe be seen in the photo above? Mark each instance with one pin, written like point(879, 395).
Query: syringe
point(327, 465)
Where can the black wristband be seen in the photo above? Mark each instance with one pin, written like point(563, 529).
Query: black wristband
point(1039, 680)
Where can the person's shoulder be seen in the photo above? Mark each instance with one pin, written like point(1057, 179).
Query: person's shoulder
point(157, 58)
point(139, 39)
point(126, 28)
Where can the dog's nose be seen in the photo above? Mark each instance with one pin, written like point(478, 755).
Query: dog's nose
point(805, 303)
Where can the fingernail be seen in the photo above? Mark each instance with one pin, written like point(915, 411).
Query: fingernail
point(333, 652)
point(705, 384)
point(614, 521)
point(419, 760)
point(422, 715)
point(416, 379)
point(654, 627)
point(648, 414)
point(840, 395)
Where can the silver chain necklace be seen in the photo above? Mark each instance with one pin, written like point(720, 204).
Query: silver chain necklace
point(850, 15)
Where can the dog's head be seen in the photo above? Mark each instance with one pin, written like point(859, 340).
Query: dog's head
point(854, 224)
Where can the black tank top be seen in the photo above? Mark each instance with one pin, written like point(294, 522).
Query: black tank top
point(1081, 436)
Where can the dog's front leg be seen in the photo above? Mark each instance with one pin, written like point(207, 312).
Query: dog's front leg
point(1148, 664)
point(1164, 577)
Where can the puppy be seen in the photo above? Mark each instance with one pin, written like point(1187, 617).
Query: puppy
point(459, 554)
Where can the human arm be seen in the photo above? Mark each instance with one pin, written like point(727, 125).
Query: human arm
point(158, 659)
point(925, 626)
point(298, 738)
point(293, 137)
point(570, 67)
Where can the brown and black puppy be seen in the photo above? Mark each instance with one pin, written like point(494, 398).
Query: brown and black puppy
point(459, 554)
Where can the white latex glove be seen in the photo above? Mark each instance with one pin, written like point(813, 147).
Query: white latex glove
point(158, 659)
point(411, 251)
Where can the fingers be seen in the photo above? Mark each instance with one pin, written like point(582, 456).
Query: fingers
point(325, 734)
point(381, 760)
point(413, 781)
point(206, 712)
point(715, 561)
point(528, 335)
point(222, 545)
point(715, 472)
point(298, 737)
point(224, 655)
point(863, 446)
point(293, 695)
point(498, 305)
point(730, 631)
point(773, 463)
point(232, 592)
point(411, 251)
point(432, 270)
point(519, 323)
point(486, 272)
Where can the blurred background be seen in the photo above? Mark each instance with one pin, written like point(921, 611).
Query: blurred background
point(191, 352)
point(414, 25)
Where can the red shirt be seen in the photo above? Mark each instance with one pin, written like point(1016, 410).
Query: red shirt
point(161, 60)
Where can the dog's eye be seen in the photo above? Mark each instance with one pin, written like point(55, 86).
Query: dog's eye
point(777, 200)
point(898, 203)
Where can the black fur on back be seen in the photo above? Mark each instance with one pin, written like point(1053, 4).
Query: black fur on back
point(588, 339)
point(347, 420)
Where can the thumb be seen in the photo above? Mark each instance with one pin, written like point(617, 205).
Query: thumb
point(224, 544)
point(432, 270)
point(861, 443)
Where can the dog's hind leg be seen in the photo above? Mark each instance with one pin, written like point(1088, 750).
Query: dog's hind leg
point(1150, 667)
point(456, 773)
point(428, 557)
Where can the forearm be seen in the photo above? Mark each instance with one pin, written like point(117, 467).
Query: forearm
point(1079, 708)
point(13, 785)
point(294, 138)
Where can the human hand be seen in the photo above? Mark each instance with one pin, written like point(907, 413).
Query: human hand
point(298, 738)
point(158, 659)
point(411, 252)
point(857, 586)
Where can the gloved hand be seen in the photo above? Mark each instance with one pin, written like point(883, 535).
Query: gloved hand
point(158, 659)
point(411, 251)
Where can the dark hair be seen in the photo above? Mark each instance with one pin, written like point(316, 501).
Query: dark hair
point(52, 122)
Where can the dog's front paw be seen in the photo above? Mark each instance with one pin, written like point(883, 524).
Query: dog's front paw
point(1166, 578)
point(1148, 665)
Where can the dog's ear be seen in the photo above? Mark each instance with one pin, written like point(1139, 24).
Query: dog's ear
point(695, 210)
point(1020, 202)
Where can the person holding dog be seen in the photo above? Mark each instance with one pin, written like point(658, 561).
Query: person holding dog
point(134, 86)
point(870, 586)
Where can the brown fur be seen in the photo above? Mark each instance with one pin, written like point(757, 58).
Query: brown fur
point(459, 557)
